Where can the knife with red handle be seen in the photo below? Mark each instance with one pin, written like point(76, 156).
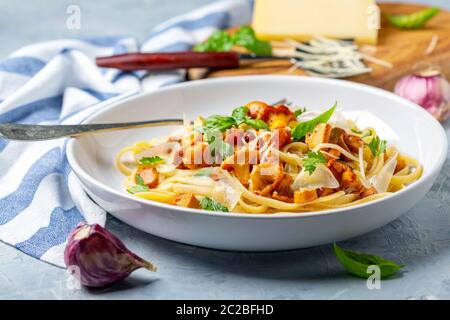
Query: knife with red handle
point(176, 60)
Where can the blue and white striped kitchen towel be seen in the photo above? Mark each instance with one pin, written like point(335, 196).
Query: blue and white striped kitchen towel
point(41, 200)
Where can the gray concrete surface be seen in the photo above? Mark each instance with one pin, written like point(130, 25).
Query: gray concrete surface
point(420, 239)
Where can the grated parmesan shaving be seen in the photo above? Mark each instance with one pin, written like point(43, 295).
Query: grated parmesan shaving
point(339, 148)
point(432, 45)
point(377, 61)
point(324, 57)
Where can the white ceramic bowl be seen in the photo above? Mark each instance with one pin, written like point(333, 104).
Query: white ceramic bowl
point(403, 123)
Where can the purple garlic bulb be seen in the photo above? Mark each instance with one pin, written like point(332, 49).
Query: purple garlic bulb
point(428, 88)
point(100, 256)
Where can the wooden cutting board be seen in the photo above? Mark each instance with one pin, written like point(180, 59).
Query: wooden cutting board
point(402, 48)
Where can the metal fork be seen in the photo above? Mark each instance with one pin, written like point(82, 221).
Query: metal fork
point(35, 132)
point(32, 132)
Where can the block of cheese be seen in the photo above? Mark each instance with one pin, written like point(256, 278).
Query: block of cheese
point(302, 19)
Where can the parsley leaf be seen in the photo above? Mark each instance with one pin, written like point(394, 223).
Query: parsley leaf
point(217, 146)
point(382, 146)
point(140, 181)
point(221, 148)
point(151, 160)
point(358, 263)
point(138, 188)
point(377, 146)
point(218, 41)
point(312, 160)
point(211, 205)
point(220, 123)
point(299, 111)
point(246, 37)
point(305, 127)
point(240, 114)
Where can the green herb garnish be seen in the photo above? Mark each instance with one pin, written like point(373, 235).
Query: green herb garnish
point(305, 127)
point(140, 181)
point(244, 37)
point(241, 116)
point(377, 146)
point(356, 131)
point(214, 125)
point(238, 116)
point(138, 188)
point(414, 20)
point(151, 160)
point(299, 111)
point(203, 172)
point(218, 41)
point(257, 124)
point(221, 123)
point(217, 146)
point(357, 263)
point(367, 134)
point(211, 205)
point(312, 160)
point(222, 148)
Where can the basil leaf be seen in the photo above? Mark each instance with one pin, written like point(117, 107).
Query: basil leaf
point(138, 188)
point(312, 160)
point(211, 205)
point(357, 263)
point(414, 20)
point(257, 124)
point(220, 123)
point(151, 160)
point(305, 127)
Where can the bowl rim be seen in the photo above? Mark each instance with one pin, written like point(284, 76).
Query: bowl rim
point(80, 172)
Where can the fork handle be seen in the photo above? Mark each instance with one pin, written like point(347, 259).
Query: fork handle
point(31, 132)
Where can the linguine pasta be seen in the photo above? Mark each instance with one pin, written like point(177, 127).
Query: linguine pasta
point(267, 159)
